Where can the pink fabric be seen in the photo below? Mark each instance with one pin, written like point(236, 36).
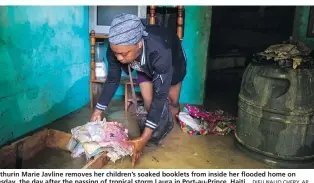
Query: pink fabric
point(211, 117)
point(196, 112)
point(114, 132)
point(99, 136)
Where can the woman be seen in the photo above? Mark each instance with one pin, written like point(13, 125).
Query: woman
point(157, 56)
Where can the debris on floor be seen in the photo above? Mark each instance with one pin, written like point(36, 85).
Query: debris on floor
point(141, 109)
point(290, 54)
point(196, 121)
point(94, 138)
point(155, 159)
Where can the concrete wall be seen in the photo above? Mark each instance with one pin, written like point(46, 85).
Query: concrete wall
point(44, 66)
point(300, 25)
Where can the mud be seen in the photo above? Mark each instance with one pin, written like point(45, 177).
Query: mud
point(178, 150)
point(54, 159)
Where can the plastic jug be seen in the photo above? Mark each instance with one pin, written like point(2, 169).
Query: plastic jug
point(101, 71)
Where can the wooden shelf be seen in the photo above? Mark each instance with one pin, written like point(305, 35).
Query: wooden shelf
point(122, 81)
point(97, 81)
point(101, 36)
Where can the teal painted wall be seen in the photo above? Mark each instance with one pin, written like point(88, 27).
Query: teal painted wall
point(44, 66)
point(300, 25)
point(195, 43)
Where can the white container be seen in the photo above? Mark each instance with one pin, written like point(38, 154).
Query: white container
point(99, 51)
point(188, 120)
point(101, 72)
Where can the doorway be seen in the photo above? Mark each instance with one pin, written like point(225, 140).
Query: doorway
point(236, 33)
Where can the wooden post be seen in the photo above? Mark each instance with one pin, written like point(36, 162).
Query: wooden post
point(92, 67)
point(180, 22)
point(152, 19)
point(126, 97)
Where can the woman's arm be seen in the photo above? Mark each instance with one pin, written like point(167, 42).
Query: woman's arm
point(162, 77)
point(112, 82)
point(162, 65)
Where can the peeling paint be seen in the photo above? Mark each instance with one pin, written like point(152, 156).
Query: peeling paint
point(3, 18)
point(195, 43)
point(44, 66)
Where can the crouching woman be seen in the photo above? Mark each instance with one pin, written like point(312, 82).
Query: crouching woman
point(159, 60)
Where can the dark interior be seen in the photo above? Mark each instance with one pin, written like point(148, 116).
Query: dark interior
point(166, 17)
point(238, 32)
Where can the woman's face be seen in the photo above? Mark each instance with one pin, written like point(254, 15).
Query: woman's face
point(127, 53)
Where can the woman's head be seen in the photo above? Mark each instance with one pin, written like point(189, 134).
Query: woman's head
point(125, 37)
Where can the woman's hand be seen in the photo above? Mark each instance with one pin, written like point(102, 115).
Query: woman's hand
point(96, 116)
point(138, 144)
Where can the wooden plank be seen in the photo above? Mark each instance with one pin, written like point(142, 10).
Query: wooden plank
point(8, 156)
point(29, 147)
point(98, 162)
point(34, 144)
point(97, 81)
point(101, 36)
point(58, 139)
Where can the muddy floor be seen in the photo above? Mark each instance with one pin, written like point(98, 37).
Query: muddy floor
point(53, 159)
point(178, 149)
